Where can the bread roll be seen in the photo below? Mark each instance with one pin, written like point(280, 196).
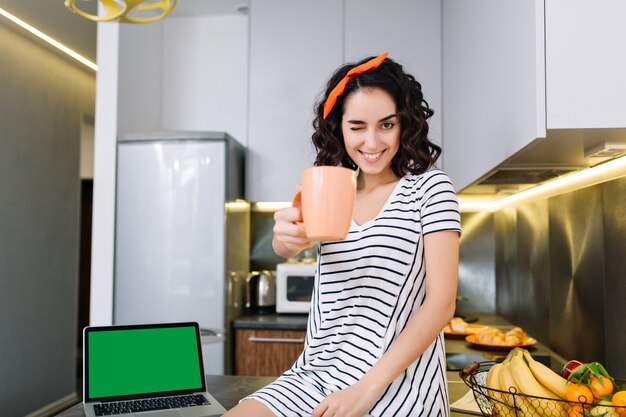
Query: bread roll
point(458, 325)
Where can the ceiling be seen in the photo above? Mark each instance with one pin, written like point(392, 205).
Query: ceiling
point(79, 34)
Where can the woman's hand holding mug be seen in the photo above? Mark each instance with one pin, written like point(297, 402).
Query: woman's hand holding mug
point(289, 236)
point(321, 210)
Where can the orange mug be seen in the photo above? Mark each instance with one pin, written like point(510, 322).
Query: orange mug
point(326, 200)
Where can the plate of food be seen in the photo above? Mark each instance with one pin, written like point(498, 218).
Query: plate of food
point(458, 328)
point(494, 338)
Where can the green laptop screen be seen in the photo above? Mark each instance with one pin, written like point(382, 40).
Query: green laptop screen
point(138, 361)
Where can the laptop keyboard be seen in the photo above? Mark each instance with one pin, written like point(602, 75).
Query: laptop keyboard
point(149, 404)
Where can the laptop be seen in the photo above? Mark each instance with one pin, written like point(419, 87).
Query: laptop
point(149, 370)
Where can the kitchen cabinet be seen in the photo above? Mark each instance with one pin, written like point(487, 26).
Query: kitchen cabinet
point(411, 31)
point(585, 63)
point(266, 352)
point(513, 70)
point(295, 47)
point(493, 83)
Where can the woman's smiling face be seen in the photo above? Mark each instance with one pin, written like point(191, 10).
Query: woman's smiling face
point(370, 128)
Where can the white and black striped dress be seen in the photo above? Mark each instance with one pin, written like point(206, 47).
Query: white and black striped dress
point(367, 288)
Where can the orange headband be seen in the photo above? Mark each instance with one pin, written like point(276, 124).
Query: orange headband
point(341, 85)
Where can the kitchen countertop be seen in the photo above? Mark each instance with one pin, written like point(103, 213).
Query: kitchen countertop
point(457, 346)
point(272, 321)
point(229, 389)
point(493, 320)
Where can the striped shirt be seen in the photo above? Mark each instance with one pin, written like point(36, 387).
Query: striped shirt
point(367, 288)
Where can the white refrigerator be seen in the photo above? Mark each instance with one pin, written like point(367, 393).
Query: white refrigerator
point(182, 234)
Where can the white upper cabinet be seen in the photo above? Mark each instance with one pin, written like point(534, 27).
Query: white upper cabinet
point(204, 74)
point(294, 48)
point(181, 73)
point(493, 83)
point(513, 69)
point(411, 31)
point(586, 63)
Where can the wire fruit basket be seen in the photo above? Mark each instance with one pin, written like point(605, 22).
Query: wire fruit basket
point(500, 403)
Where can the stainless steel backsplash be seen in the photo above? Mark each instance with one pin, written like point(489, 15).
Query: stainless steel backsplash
point(614, 218)
point(477, 265)
point(556, 267)
point(262, 254)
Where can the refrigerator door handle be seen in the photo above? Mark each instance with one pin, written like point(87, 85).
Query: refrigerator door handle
point(204, 331)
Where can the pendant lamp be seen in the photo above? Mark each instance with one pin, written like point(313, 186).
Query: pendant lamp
point(127, 11)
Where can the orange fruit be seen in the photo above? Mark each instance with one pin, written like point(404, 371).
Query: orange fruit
point(579, 393)
point(575, 411)
point(602, 386)
point(619, 401)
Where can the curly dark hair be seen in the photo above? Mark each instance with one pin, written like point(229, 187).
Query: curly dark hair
point(416, 153)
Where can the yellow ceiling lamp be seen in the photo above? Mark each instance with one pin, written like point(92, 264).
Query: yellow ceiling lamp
point(127, 11)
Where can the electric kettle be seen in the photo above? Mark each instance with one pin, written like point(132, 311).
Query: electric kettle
point(261, 297)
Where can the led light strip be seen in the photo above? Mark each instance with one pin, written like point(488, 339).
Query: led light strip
point(269, 206)
point(48, 39)
point(600, 173)
point(238, 205)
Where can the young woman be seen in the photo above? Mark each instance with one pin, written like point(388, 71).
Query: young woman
point(382, 296)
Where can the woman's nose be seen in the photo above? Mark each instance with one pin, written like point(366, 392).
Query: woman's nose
point(370, 140)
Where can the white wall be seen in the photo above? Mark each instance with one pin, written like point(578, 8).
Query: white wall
point(43, 97)
point(103, 220)
point(139, 81)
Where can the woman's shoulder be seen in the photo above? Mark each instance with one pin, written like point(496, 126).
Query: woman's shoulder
point(428, 178)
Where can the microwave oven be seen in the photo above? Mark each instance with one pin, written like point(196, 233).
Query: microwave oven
point(294, 287)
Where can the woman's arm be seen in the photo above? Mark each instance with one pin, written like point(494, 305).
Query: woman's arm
point(289, 237)
point(441, 257)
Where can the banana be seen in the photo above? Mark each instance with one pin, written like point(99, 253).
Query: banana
point(526, 380)
point(511, 355)
point(493, 376)
point(546, 376)
point(528, 385)
point(518, 405)
point(493, 386)
point(507, 383)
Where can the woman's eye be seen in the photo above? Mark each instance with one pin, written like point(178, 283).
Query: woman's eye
point(388, 125)
point(354, 129)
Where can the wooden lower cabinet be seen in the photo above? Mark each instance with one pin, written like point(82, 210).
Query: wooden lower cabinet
point(263, 352)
